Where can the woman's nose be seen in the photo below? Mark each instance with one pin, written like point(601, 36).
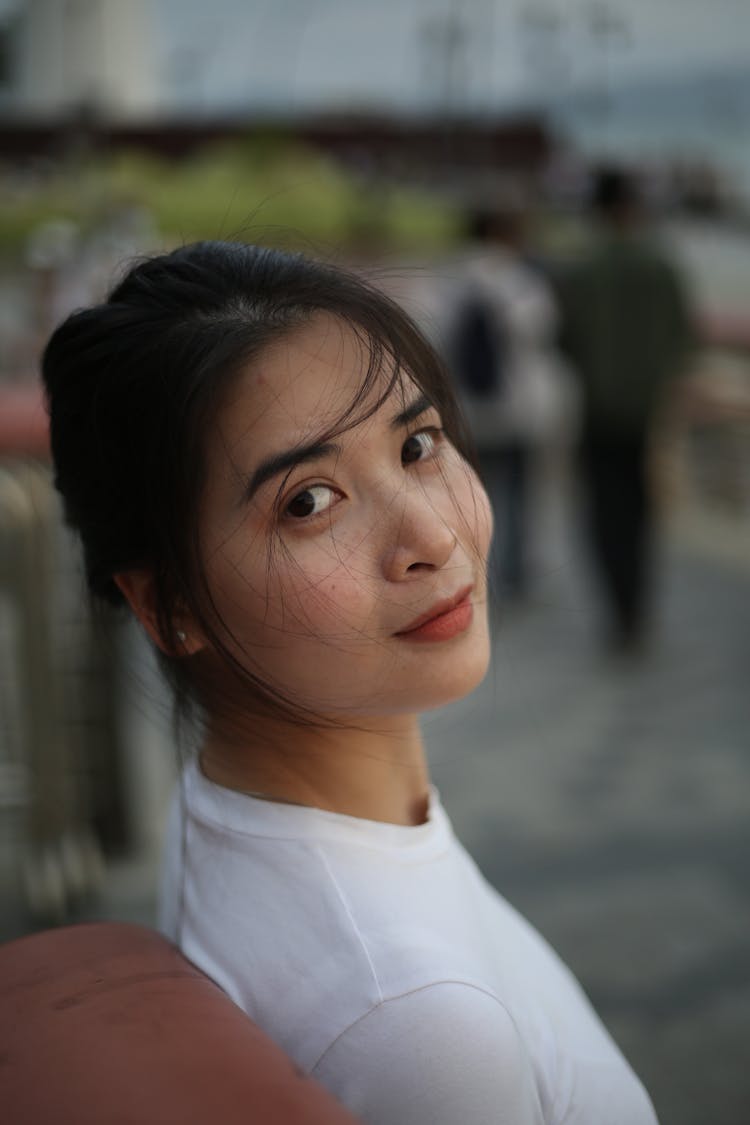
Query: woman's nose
point(419, 536)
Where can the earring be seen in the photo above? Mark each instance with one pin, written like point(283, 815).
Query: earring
point(181, 637)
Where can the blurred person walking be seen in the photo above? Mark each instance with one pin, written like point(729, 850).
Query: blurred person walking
point(626, 329)
point(513, 384)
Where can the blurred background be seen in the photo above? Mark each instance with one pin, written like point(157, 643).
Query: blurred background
point(453, 153)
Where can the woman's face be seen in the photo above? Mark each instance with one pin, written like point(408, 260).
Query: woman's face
point(323, 557)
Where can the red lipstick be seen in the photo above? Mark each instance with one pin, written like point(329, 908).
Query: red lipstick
point(445, 620)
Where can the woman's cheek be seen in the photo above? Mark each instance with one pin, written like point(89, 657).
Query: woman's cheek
point(485, 521)
point(474, 512)
point(327, 591)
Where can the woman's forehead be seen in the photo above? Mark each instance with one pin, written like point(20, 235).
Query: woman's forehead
point(306, 383)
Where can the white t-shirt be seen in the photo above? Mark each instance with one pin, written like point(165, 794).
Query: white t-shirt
point(386, 966)
point(535, 399)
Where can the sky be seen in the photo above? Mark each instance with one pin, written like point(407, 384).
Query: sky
point(308, 54)
point(296, 54)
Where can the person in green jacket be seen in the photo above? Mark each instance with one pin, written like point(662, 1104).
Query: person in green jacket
point(626, 329)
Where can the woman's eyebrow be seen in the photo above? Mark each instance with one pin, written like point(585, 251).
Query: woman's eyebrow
point(420, 405)
point(278, 463)
point(281, 462)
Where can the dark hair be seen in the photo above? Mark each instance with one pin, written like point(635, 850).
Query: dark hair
point(496, 224)
point(134, 383)
point(613, 189)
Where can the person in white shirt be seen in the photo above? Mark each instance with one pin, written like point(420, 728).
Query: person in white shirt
point(498, 334)
point(264, 461)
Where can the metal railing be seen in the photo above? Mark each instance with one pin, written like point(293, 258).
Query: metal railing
point(45, 779)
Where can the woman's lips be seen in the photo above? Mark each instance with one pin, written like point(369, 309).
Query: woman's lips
point(446, 619)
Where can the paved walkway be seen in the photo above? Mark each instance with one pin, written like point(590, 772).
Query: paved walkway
point(610, 802)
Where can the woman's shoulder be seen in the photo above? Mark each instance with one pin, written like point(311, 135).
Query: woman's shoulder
point(451, 1052)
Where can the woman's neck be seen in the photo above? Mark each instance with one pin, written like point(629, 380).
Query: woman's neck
point(375, 769)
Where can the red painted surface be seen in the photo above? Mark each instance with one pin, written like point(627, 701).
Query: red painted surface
point(109, 1022)
point(24, 428)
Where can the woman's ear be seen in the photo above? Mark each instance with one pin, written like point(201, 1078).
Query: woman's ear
point(138, 587)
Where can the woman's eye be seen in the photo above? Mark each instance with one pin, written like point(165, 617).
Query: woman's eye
point(418, 446)
point(310, 502)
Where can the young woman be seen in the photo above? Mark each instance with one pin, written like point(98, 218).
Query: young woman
point(263, 459)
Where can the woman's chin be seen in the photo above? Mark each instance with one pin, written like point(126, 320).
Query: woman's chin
point(462, 675)
point(468, 683)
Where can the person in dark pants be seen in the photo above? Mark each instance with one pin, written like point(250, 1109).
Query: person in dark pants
point(511, 379)
point(620, 517)
point(626, 329)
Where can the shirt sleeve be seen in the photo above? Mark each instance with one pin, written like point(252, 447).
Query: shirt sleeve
point(447, 1054)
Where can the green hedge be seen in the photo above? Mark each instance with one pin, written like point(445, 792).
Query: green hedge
point(276, 191)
